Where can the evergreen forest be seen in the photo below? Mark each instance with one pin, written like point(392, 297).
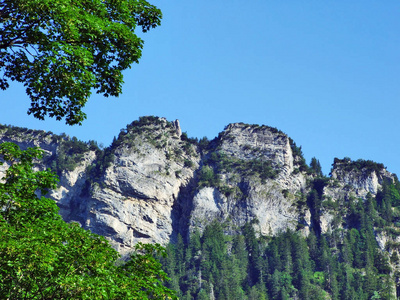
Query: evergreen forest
point(345, 263)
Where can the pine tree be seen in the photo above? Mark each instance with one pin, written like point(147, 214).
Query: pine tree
point(316, 166)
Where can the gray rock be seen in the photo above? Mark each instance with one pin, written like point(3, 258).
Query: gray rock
point(151, 190)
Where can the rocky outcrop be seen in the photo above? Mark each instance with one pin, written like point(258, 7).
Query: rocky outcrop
point(363, 176)
point(70, 186)
point(132, 199)
point(154, 183)
point(265, 193)
point(25, 138)
point(351, 180)
point(137, 193)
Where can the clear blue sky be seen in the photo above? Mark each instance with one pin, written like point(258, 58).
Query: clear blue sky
point(327, 73)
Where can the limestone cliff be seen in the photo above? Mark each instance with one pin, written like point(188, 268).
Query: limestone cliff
point(154, 182)
point(255, 166)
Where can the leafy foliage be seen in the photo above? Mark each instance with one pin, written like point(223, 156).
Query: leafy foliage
point(70, 151)
point(62, 49)
point(45, 258)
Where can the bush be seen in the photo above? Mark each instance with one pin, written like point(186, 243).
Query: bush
point(188, 163)
point(207, 177)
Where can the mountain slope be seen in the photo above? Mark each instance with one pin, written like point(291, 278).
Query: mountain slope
point(154, 183)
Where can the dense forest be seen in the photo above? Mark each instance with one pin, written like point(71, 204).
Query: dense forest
point(346, 263)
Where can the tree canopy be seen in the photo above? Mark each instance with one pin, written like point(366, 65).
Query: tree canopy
point(43, 257)
point(62, 50)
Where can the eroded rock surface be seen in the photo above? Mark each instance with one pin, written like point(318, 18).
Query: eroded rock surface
point(154, 183)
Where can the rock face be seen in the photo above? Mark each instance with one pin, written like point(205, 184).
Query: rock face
point(136, 194)
point(265, 193)
point(363, 178)
point(154, 183)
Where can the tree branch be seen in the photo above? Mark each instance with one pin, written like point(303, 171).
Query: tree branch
point(11, 43)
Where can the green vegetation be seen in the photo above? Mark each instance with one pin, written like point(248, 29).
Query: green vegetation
point(299, 160)
point(204, 143)
point(315, 167)
point(188, 163)
point(143, 127)
point(94, 171)
point(258, 127)
point(223, 164)
point(70, 151)
point(344, 263)
point(368, 166)
point(193, 141)
point(69, 154)
point(62, 50)
point(42, 257)
point(154, 130)
point(218, 163)
point(10, 131)
point(207, 177)
point(162, 135)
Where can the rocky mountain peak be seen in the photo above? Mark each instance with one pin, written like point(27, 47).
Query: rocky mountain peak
point(249, 142)
point(154, 182)
point(364, 176)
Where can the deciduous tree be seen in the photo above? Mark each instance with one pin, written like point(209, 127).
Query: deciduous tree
point(42, 257)
point(62, 50)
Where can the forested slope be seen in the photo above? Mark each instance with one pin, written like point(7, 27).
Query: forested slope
point(356, 259)
point(243, 216)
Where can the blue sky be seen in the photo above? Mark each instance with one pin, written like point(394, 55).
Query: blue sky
point(324, 72)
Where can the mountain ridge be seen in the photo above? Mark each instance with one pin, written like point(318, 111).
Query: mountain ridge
point(154, 182)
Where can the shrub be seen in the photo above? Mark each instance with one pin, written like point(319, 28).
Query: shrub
point(188, 163)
